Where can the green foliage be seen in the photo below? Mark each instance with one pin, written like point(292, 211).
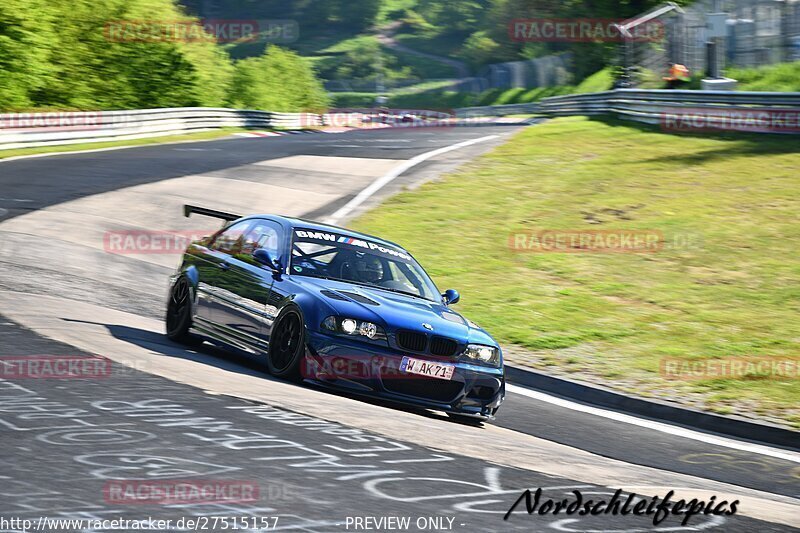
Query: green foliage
point(213, 74)
point(279, 80)
point(479, 49)
point(335, 33)
point(463, 15)
point(443, 99)
point(480, 28)
point(602, 80)
point(362, 60)
point(361, 13)
point(783, 77)
point(26, 30)
point(82, 54)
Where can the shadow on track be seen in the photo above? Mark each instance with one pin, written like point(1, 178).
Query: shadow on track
point(232, 360)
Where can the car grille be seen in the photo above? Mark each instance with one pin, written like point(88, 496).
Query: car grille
point(444, 347)
point(437, 390)
point(416, 341)
point(412, 340)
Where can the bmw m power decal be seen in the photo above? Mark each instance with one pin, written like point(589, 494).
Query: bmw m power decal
point(322, 237)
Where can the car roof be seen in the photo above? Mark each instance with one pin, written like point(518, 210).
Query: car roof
point(292, 222)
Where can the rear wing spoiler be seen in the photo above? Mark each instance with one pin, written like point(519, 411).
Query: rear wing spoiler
point(227, 217)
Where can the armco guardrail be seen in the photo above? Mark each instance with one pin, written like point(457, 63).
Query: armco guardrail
point(769, 111)
point(22, 130)
point(656, 106)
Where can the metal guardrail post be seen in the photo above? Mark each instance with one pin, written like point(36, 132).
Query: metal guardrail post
point(20, 130)
point(654, 105)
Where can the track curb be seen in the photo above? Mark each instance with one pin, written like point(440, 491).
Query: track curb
point(757, 432)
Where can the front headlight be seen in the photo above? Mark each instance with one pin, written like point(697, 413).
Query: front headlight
point(354, 328)
point(483, 354)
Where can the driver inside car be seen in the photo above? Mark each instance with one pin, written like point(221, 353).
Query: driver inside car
point(369, 269)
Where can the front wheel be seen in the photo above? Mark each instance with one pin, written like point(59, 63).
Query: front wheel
point(287, 346)
point(179, 312)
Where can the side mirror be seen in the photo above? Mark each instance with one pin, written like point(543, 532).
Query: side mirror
point(263, 257)
point(451, 296)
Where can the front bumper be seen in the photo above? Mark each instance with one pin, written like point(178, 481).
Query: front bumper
point(362, 368)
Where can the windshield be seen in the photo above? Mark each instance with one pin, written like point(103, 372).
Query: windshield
point(353, 260)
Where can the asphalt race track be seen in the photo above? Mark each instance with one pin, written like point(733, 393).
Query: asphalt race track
point(319, 460)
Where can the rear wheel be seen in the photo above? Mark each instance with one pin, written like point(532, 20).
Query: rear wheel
point(287, 346)
point(179, 312)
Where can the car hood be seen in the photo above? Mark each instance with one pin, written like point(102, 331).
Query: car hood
point(397, 311)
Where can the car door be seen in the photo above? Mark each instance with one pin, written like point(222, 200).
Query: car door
point(212, 263)
point(283, 288)
point(245, 286)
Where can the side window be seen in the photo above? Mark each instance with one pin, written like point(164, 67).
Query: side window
point(230, 241)
point(263, 234)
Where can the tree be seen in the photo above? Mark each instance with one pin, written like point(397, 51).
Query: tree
point(26, 33)
point(453, 17)
point(479, 49)
point(278, 80)
point(66, 55)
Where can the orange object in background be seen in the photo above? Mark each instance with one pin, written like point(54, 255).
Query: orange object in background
point(678, 72)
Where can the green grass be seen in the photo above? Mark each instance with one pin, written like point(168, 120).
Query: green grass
point(734, 290)
point(308, 45)
point(432, 100)
point(781, 77)
point(421, 67)
point(351, 99)
point(602, 80)
point(200, 136)
point(442, 99)
point(423, 86)
point(402, 99)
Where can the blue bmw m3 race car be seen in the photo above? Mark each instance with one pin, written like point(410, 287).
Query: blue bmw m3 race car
point(336, 308)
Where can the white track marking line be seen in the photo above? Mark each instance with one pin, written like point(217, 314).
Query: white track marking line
point(381, 182)
point(657, 426)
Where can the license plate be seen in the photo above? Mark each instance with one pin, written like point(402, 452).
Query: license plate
point(426, 368)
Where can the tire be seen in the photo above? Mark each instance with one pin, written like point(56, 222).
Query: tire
point(179, 312)
point(287, 346)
